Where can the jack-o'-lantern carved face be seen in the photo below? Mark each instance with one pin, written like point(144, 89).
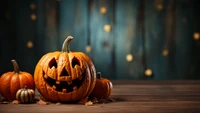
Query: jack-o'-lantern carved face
point(65, 76)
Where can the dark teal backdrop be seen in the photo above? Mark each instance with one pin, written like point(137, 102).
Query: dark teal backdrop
point(159, 34)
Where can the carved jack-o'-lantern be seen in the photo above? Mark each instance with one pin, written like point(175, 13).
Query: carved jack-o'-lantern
point(65, 76)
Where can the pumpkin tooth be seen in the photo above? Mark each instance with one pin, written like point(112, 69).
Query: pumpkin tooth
point(69, 82)
point(75, 88)
point(69, 78)
point(80, 77)
point(57, 82)
point(64, 90)
point(46, 76)
point(54, 87)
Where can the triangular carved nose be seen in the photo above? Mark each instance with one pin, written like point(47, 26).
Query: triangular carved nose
point(64, 73)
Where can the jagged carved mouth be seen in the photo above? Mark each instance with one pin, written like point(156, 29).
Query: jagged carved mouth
point(65, 86)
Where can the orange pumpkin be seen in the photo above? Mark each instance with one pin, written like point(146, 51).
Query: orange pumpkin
point(11, 82)
point(65, 76)
point(103, 88)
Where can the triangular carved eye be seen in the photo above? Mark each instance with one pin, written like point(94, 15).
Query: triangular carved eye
point(75, 61)
point(53, 63)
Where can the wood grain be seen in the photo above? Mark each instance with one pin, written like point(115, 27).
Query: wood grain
point(130, 96)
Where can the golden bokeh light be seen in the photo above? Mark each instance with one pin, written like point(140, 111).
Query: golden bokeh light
point(103, 10)
point(107, 28)
point(88, 48)
point(129, 57)
point(32, 6)
point(29, 44)
point(148, 72)
point(33, 17)
point(159, 6)
point(165, 52)
point(196, 36)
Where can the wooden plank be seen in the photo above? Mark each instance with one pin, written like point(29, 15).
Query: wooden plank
point(66, 20)
point(141, 99)
point(187, 62)
point(25, 31)
point(102, 41)
point(127, 40)
point(170, 44)
point(80, 26)
point(39, 39)
point(73, 21)
point(7, 34)
point(51, 25)
point(195, 17)
point(155, 13)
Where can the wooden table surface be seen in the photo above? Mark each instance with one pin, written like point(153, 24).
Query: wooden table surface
point(131, 97)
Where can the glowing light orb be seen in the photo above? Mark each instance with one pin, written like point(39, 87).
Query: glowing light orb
point(129, 57)
point(29, 44)
point(107, 28)
point(103, 10)
point(88, 48)
point(148, 72)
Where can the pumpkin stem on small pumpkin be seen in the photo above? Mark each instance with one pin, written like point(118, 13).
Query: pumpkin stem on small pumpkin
point(25, 87)
point(65, 46)
point(16, 67)
point(99, 75)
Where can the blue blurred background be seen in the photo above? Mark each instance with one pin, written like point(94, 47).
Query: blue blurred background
point(126, 39)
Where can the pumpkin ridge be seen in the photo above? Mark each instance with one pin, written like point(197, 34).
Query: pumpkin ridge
point(86, 83)
point(43, 92)
point(29, 97)
point(13, 89)
point(92, 72)
point(27, 77)
point(24, 77)
point(11, 97)
point(18, 97)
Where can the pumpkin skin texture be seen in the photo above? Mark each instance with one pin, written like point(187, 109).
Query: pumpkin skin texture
point(103, 88)
point(25, 95)
point(11, 82)
point(65, 76)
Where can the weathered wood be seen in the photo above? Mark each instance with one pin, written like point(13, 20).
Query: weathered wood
point(127, 40)
point(102, 41)
point(79, 27)
point(39, 39)
point(195, 17)
point(25, 29)
point(155, 38)
point(130, 96)
point(66, 19)
point(182, 53)
point(143, 28)
point(51, 26)
point(7, 34)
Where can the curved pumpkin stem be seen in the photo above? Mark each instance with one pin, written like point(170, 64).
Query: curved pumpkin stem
point(16, 67)
point(99, 75)
point(25, 87)
point(65, 46)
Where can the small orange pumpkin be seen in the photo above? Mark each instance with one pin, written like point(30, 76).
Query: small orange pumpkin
point(103, 88)
point(65, 76)
point(11, 82)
